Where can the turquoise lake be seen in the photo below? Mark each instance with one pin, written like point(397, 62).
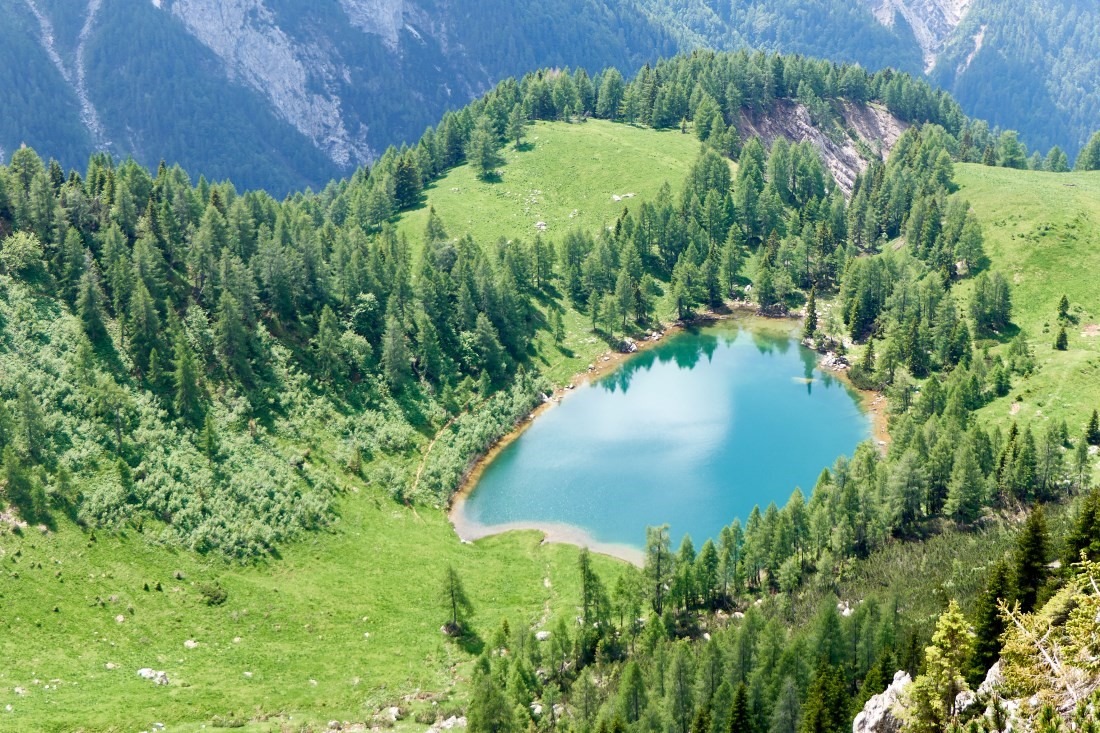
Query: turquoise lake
point(692, 433)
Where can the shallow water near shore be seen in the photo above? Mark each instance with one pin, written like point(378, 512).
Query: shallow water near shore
point(692, 433)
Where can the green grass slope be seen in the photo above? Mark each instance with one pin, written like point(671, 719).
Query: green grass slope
point(565, 175)
point(344, 623)
point(1042, 230)
point(348, 619)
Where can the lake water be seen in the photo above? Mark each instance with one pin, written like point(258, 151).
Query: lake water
point(692, 432)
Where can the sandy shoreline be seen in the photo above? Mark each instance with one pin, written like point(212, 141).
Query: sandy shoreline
point(468, 530)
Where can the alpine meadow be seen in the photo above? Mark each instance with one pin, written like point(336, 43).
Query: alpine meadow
point(251, 441)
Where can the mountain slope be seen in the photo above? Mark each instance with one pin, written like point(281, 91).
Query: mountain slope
point(312, 90)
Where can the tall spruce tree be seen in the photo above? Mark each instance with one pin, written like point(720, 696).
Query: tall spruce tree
point(1032, 549)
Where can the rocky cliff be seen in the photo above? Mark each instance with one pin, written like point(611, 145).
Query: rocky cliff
point(931, 21)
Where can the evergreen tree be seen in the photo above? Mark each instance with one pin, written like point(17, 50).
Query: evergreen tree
point(633, 698)
point(966, 492)
point(517, 123)
point(489, 710)
point(395, 353)
point(1031, 559)
point(188, 393)
point(32, 434)
point(1089, 157)
point(929, 705)
point(988, 623)
point(740, 714)
point(825, 707)
point(1084, 536)
point(20, 488)
point(89, 302)
point(1092, 430)
point(1063, 309)
point(1061, 342)
point(658, 564)
point(456, 601)
point(810, 327)
point(144, 326)
point(481, 151)
point(231, 338)
point(680, 689)
point(326, 345)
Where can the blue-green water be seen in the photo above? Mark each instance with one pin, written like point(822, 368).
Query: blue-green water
point(692, 433)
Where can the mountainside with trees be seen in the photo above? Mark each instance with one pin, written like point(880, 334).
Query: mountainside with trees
point(320, 88)
point(205, 382)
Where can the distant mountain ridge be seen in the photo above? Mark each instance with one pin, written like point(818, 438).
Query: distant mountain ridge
point(313, 90)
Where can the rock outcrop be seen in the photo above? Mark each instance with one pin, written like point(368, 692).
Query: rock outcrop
point(932, 21)
point(298, 78)
point(878, 714)
point(871, 124)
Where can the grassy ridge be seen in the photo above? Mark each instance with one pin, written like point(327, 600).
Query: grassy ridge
point(1042, 230)
point(564, 175)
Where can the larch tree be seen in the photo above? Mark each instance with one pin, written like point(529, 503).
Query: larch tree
point(481, 150)
point(456, 601)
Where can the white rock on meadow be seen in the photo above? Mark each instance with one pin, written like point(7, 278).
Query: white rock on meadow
point(160, 677)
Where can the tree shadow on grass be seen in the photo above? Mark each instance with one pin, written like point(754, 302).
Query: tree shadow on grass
point(470, 642)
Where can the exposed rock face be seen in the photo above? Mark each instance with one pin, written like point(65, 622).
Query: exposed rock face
point(872, 124)
point(878, 715)
point(383, 18)
point(298, 79)
point(932, 21)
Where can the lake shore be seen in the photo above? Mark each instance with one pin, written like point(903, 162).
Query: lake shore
point(872, 403)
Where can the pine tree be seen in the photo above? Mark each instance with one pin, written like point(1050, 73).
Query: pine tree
point(1031, 559)
point(680, 689)
point(1063, 309)
point(517, 123)
point(810, 327)
point(1061, 343)
point(188, 393)
point(32, 433)
point(395, 353)
point(326, 345)
point(456, 601)
point(490, 711)
point(20, 488)
point(740, 713)
point(89, 302)
point(633, 698)
point(988, 623)
point(825, 708)
point(658, 564)
point(868, 361)
point(966, 492)
point(1092, 430)
point(1084, 537)
point(481, 150)
point(787, 712)
point(929, 704)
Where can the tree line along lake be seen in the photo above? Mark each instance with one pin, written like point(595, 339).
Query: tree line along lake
point(692, 433)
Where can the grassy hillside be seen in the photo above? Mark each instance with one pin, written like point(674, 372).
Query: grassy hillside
point(335, 629)
point(337, 626)
point(1042, 230)
point(565, 175)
